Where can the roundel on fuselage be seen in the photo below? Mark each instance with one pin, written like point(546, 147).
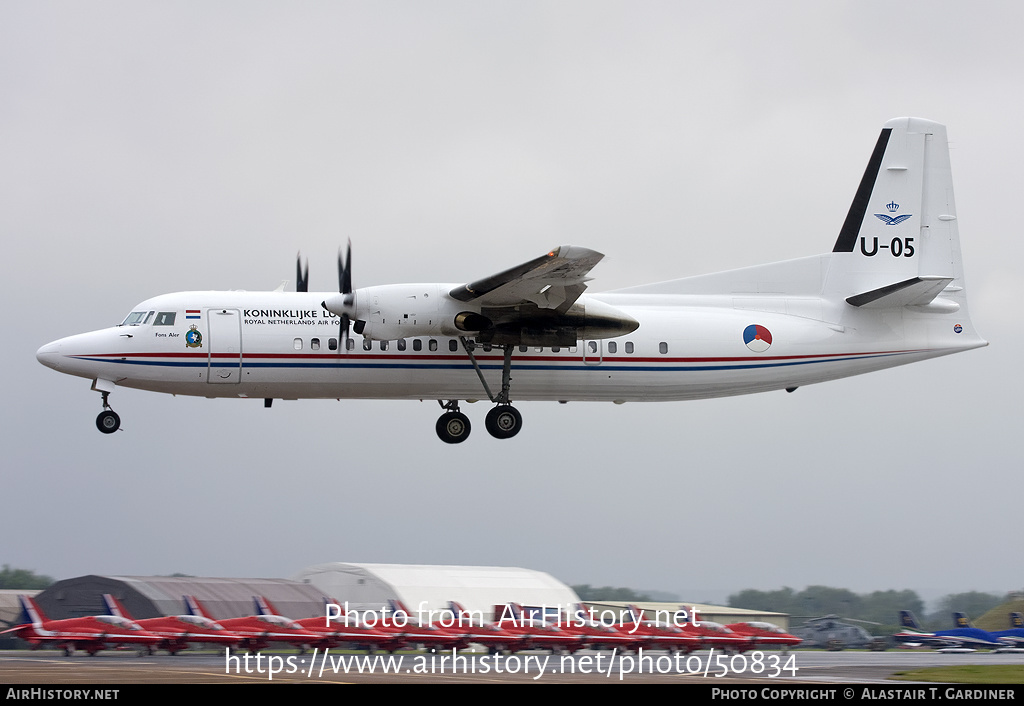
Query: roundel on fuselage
point(757, 338)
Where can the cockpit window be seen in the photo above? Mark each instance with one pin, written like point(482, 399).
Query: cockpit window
point(136, 318)
point(164, 318)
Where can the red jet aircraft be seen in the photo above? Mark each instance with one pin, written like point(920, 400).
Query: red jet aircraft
point(428, 634)
point(178, 631)
point(765, 634)
point(258, 631)
point(490, 635)
point(663, 636)
point(92, 634)
point(341, 631)
point(535, 632)
point(714, 634)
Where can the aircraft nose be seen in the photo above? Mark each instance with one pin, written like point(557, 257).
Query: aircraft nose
point(49, 355)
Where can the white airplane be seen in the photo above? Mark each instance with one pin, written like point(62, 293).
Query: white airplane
point(891, 292)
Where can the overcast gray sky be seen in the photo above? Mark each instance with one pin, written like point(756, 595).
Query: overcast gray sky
point(155, 147)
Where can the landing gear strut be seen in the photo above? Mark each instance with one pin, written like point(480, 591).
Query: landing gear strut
point(107, 422)
point(503, 421)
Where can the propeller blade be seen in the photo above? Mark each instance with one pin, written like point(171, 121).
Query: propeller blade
point(345, 270)
point(345, 287)
point(341, 272)
point(301, 275)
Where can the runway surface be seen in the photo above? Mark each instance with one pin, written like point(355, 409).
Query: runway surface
point(122, 667)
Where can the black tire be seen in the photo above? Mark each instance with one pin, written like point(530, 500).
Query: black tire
point(503, 422)
point(108, 422)
point(452, 427)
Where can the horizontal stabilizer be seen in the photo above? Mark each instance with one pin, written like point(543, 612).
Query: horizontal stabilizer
point(916, 291)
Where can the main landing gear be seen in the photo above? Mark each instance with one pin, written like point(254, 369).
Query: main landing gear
point(453, 426)
point(107, 422)
point(503, 421)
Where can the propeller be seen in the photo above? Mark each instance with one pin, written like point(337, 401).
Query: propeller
point(345, 287)
point(301, 274)
point(343, 304)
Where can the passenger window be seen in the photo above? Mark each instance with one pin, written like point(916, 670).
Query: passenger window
point(453, 345)
point(297, 344)
point(487, 348)
point(663, 347)
point(629, 346)
point(332, 344)
point(432, 345)
point(523, 349)
point(383, 345)
point(367, 344)
point(350, 344)
point(555, 349)
point(572, 349)
point(417, 344)
point(164, 318)
point(612, 346)
point(592, 345)
point(401, 344)
point(314, 344)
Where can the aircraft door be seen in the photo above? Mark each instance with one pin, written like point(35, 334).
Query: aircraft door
point(225, 362)
point(593, 352)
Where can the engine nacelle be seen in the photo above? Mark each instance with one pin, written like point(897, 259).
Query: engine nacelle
point(390, 312)
point(393, 311)
point(529, 325)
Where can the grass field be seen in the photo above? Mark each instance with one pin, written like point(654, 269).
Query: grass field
point(968, 674)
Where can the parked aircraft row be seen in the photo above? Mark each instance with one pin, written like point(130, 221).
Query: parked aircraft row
point(396, 628)
point(962, 637)
point(890, 292)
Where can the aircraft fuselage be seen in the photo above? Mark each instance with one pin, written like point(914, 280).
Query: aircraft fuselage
point(285, 345)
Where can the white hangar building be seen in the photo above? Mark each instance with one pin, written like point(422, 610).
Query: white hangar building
point(477, 588)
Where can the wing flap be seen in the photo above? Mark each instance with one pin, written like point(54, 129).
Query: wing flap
point(552, 281)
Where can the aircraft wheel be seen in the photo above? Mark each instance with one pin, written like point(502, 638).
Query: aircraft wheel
point(108, 422)
point(452, 427)
point(503, 422)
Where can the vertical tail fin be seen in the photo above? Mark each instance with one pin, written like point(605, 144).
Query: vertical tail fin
point(900, 245)
point(397, 607)
point(907, 620)
point(635, 612)
point(193, 606)
point(263, 606)
point(114, 607)
point(31, 613)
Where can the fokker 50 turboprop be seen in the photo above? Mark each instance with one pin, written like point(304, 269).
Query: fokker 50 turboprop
point(891, 292)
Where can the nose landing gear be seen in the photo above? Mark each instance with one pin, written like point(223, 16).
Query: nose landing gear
point(108, 421)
